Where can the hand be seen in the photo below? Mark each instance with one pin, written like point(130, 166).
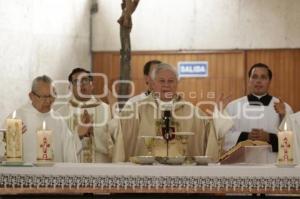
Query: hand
point(84, 131)
point(85, 127)
point(24, 128)
point(280, 108)
point(223, 101)
point(85, 118)
point(259, 134)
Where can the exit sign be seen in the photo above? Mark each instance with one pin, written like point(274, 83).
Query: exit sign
point(192, 69)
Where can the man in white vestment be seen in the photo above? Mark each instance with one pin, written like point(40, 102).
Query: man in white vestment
point(258, 115)
point(33, 115)
point(90, 120)
point(148, 117)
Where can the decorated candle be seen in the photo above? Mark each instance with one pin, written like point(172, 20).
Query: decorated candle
point(285, 146)
point(14, 149)
point(44, 144)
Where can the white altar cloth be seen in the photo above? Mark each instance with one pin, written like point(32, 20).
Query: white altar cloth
point(131, 178)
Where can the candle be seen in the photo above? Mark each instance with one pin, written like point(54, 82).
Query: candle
point(14, 152)
point(44, 145)
point(285, 147)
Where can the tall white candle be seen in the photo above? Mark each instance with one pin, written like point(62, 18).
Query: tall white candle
point(285, 146)
point(14, 147)
point(44, 144)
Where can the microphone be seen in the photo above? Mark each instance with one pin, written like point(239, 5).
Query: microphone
point(166, 131)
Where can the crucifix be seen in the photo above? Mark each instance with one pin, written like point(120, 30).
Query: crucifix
point(45, 145)
point(128, 7)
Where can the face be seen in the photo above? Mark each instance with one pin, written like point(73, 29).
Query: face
point(82, 86)
point(259, 81)
point(43, 97)
point(165, 84)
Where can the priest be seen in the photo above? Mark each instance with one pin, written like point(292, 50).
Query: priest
point(40, 110)
point(258, 115)
point(90, 120)
point(163, 110)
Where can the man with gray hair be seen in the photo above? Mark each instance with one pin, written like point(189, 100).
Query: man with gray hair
point(163, 113)
point(34, 114)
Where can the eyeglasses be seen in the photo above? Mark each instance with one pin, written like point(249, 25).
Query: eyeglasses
point(45, 98)
point(82, 81)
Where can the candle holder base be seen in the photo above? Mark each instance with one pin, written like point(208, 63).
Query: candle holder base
point(12, 163)
point(10, 159)
point(285, 165)
point(43, 164)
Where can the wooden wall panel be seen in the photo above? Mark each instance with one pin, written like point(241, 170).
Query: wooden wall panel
point(105, 63)
point(226, 72)
point(285, 67)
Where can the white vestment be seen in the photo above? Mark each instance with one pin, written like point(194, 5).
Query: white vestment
point(64, 149)
point(143, 118)
point(247, 117)
point(293, 124)
point(137, 98)
point(106, 143)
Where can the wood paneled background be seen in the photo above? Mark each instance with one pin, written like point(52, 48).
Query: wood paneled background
point(227, 72)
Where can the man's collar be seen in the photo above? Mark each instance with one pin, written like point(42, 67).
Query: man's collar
point(91, 103)
point(259, 100)
point(40, 113)
point(259, 96)
point(173, 102)
point(148, 92)
point(175, 99)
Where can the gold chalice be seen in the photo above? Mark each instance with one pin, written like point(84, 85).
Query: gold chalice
point(150, 142)
point(183, 137)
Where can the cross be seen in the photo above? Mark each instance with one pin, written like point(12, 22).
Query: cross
point(45, 146)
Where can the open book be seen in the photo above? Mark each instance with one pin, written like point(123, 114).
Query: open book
point(235, 153)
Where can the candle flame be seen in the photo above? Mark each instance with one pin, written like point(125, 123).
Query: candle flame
point(285, 127)
point(44, 125)
point(14, 115)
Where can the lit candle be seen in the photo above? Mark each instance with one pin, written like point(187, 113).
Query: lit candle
point(14, 152)
point(285, 147)
point(44, 145)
